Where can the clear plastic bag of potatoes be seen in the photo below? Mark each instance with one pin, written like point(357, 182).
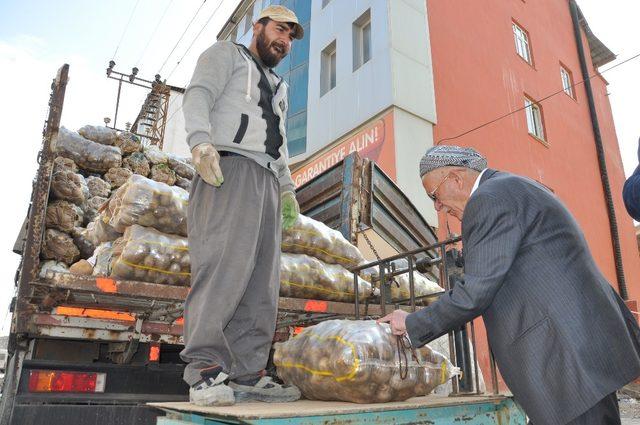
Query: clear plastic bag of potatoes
point(302, 276)
point(99, 134)
point(311, 237)
point(151, 204)
point(86, 154)
point(360, 362)
point(100, 231)
point(148, 255)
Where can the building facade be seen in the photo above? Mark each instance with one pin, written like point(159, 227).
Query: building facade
point(389, 78)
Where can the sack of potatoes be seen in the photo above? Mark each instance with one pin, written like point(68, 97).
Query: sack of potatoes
point(88, 155)
point(358, 361)
point(148, 255)
point(303, 276)
point(311, 237)
point(151, 204)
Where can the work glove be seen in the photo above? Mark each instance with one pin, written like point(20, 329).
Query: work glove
point(290, 209)
point(206, 160)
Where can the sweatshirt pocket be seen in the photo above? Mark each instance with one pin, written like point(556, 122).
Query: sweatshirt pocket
point(244, 122)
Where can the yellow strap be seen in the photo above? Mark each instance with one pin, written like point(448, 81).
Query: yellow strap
point(350, 375)
point(176, 247)
point(309, 248)
point(443, 372)
point(139, 266)
point(316, 288)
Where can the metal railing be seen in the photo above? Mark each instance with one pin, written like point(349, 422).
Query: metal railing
point(433, 257)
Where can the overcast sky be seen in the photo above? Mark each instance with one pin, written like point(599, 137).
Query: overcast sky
point(38, 36)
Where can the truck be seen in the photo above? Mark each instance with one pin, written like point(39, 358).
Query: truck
point(100, 350)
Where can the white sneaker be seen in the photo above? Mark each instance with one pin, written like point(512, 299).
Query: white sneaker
point(265, 389)
point(212, 392)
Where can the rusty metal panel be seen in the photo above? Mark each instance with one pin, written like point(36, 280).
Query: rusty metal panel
point(39, 196)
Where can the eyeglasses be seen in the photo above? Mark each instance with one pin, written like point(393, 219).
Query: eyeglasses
point(432, 194)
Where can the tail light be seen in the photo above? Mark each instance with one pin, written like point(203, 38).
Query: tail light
point(56, 381)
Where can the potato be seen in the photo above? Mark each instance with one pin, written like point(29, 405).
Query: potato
point(82, 268)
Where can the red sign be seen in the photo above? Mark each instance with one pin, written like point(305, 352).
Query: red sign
point(374, 142)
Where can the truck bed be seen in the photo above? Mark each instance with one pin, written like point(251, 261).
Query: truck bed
point(431, 409)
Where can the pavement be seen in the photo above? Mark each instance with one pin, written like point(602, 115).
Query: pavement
point(629, 402)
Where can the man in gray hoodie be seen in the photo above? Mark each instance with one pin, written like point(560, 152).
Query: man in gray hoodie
point(241, 197)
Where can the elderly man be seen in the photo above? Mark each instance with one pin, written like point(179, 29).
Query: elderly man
point(563, 339)
point(234, 112)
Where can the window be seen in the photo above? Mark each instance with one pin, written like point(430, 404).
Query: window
point(522, 43)
point(362, 40)
point(325, 2)
point(567, 81)
point(248, 19)
point(328, 68)
point(534, 118)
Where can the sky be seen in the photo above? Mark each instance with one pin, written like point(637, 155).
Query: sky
point(39, 36)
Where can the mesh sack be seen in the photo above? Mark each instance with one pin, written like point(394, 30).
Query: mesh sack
point(117, 176)
point(98, 187)
point(137, 163)
point(99, 134)
point(163, 174)
point(63, 216)
point(59, 246)
point(69, 186)
point(86, 154)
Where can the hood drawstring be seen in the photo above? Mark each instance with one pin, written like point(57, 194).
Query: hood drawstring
point(247, 96)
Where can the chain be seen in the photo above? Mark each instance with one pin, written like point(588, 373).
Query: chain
point(366, 238)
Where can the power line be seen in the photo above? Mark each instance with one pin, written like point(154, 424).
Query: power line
point(153, 33)
point(194, 40)
point(536, 102)
point(125, 29)
point(183, 33)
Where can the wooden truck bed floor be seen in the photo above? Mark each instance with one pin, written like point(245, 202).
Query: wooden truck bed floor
point(431, 409)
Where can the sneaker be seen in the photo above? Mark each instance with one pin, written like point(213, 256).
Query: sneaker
point(264, 389)
point(211, 390)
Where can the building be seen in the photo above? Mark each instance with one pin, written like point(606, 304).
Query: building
point(391, 78)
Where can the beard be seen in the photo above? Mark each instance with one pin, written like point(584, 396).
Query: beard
point(268, 57)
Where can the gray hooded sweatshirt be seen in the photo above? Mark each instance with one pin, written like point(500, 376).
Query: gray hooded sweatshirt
point(238, 105)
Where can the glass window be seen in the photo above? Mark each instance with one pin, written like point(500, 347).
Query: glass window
point(300, 49)
point(248, 20)
point(299, 85)
point(297, 134)
point(362, 40)
point(567, 83)
point(522, 43)
point(328, 68)
point(303, 12)
point(534, 119)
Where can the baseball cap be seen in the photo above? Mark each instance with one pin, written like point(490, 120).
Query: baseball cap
point(282, 14)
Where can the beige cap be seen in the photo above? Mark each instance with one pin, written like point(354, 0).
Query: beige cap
point(282, 14)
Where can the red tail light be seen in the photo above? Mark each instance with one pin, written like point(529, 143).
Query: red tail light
point(56, 381)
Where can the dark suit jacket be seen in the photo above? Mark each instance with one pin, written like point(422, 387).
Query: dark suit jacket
point(562, 338)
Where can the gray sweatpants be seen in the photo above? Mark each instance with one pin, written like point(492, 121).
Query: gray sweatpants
point(234, 244)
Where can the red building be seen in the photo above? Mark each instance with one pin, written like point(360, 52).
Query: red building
point(490, 58)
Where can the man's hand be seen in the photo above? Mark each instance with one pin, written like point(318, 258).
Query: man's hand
point(206, 160)
point(397, 322)
point(290, 209)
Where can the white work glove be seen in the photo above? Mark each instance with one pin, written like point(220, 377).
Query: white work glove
point(290, 209)
point(206, 160)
